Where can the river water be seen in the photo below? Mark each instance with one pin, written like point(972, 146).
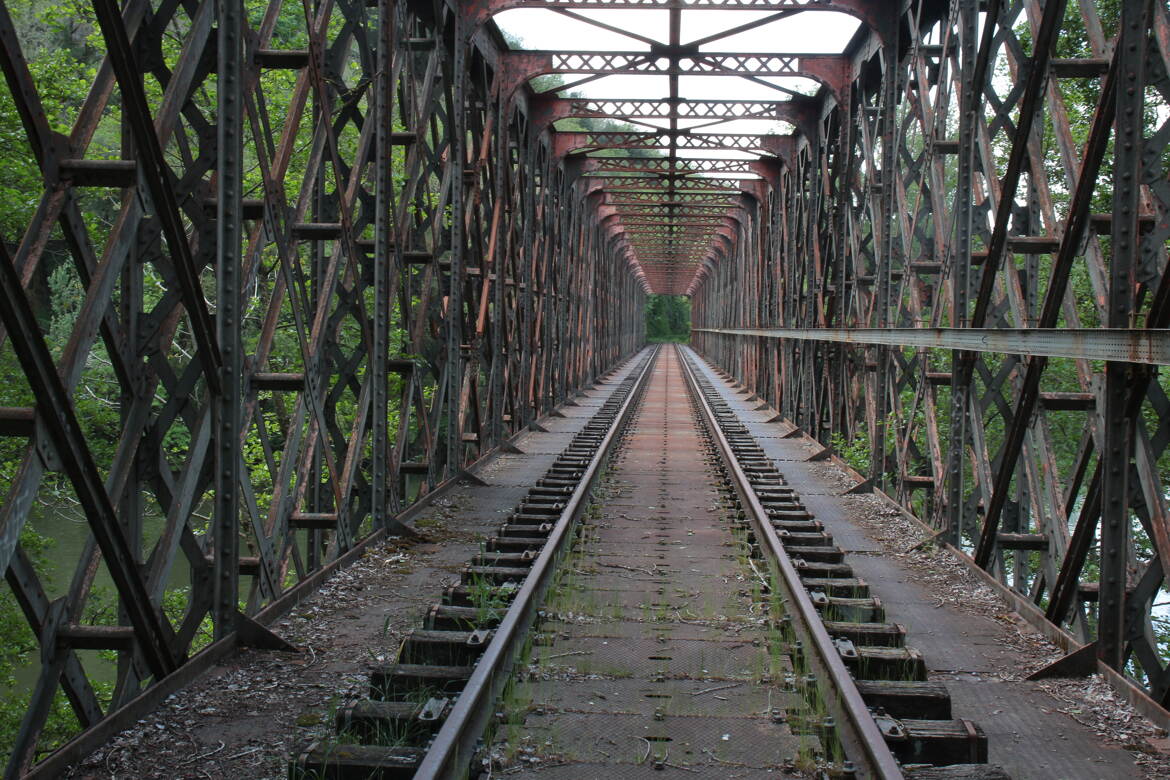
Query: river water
point(65, 525)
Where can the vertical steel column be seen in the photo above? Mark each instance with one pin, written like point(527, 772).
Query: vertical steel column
point(525, 274)
point(458, 159)
point(960, 256)
point(846, 127)
point(1118, 427)
point(498, 319)
point(229, 236)
point(131, 503)
point(384, 262)
point(885, 248)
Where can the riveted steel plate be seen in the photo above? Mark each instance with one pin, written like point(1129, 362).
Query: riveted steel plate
point(713, 770)
point(647, 658)
point(734, 699)
point(622, 739)
point(655, 630)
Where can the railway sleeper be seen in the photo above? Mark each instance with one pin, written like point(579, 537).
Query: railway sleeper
point(371, 722)
point(445, 617)
point(515, 543)
point(498, 558)
point(536, 498)
point(396, 682)
point(525, 530)
point(882, 663)
point(907, 698)
point(328, 761)
point(575, 463)
point(804, 538)
point(778, 495)
point(937, 742)
point(535, 513)
point(443, 648)
point(867, 634)
point(798, 526)
point(552, 491)
point(473, 595)
point(781, 508)
point(552, 482)
point(844, 587)
point(759, 468)
point(820, 554)
point(854, 610)
point(823, 570)
point(789, 514)
point(493, 574)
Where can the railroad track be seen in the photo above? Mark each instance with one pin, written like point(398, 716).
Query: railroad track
point(874, 685)
point(796, 666)
point(427, 712)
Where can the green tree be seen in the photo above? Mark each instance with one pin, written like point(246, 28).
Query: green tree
point(668, 318)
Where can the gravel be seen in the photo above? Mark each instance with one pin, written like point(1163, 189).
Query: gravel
point(246, 717)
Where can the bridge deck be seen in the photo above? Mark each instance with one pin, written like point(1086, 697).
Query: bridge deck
point(253, 712)
point(262, 705)
point(969, 637)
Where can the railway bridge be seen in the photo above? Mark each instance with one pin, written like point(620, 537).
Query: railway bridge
point(295, 292)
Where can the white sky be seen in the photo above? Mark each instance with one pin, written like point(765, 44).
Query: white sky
point(811, 32)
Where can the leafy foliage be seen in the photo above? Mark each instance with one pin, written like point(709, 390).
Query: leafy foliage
point(668, 318)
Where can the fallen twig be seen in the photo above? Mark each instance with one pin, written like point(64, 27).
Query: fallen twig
point(193, 759)
point(720, 760)
point(571, 652)
point(680, 766)
point(627, 568)
point(762, 579)
point(716, 688)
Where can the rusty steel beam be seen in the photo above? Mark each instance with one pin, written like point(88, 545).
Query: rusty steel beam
point(1119, 345)
point(1001, 282)
point(318, 364)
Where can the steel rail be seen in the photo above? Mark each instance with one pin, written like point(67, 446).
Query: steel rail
point(455, 742)
point(1150, 346)
point(862, 740)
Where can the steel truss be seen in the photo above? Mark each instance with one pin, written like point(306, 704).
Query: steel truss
point(354, 270)
point(355, 250)
point(950, 185)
